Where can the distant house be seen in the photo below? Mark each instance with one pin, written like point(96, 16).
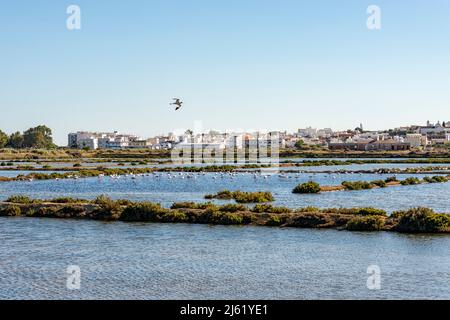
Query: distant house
point(388, 145)
point(343, 146)
point(102, 140)
point(90, 143)
point(416, 139)
point(435, 129)
point(361, 144)
point(139, 144)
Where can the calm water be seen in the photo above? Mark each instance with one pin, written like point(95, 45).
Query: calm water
point(154, 163)
point(167, 188)
point(175, 261)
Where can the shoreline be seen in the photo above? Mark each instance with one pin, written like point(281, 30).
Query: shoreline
point(64, 154)
point(89, 172)
point(373, 184)
point(416, 220)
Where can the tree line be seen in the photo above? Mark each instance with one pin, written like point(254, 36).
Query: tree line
point(37, 137)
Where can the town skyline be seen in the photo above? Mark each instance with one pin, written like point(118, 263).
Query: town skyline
point(60, 138)
point(398, 138)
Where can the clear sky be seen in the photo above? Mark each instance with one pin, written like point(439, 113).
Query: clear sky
point(237, 64)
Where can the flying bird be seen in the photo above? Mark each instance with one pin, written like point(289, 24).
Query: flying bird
point(177, 103)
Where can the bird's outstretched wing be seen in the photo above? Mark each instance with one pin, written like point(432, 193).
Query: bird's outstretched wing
point(177, 102)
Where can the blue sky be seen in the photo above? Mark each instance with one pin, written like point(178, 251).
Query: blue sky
point(237, 64)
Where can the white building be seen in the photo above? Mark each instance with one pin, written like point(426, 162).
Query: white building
point(416, 139)
point(90, 143)
point(430, 129)
point(307, 132)
point(324, 133)
point(102, 140)
point(75, 139)
point(366, 136)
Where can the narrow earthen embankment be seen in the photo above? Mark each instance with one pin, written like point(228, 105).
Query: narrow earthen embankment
point(352, 219)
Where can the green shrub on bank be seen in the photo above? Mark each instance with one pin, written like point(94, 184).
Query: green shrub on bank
point(183, 205)
point(363, 219)
point(45, 212)
point(308, 209)
point(268, 208)
point(206, 205)
point(232, 208)
point(70, 211)
point(213, 216)
point(143, 211)
point(106, 202)
point(21, 199)
point(11, 211)
point(231, 219)
point(311, 220)
point(173, 216)
point(209, 216)
point(101, 199)
point(30, 212)
point(242, 197)
point(124, 202)
point(379, 183)
point(391, 179)
point(364, 211)
point(248, 218)
point(66, 200)
point(252, 197)
point(421, 220)
point(369, 211)
point(435, 179)
point(410, 181)
point(222, 195)
point(193, 205)
point(307, 187)
point(367, 223)
point(274, 221)
point(108, 208)
point(357, 185)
